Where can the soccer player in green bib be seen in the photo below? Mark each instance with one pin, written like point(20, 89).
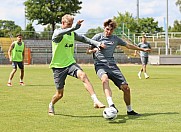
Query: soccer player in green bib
point(16, 56)
point(63, 62)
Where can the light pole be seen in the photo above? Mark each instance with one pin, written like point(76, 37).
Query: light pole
point(25, 17)
point(137, 11)
point(166, 33)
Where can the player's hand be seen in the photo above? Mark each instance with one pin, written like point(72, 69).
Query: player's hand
point(94, 50)
point(102, 46)
point(90, 51)
point(79, 22)
point(147, 50)
point(10, 59)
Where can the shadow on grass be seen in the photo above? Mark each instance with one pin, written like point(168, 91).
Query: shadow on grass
point(120, 118)
point(124, 118)
point(80, 116)
point(40, 85)
point(157, 78)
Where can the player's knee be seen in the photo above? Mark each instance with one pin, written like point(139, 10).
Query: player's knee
point(125, 88)
point(14, 70)
point(60, 95)
point(105, 80)
point(82, 76)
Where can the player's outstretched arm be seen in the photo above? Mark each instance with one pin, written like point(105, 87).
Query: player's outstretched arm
point(133, 47)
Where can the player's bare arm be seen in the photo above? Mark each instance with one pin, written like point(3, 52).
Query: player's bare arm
point(133, 47)
point(9, 51)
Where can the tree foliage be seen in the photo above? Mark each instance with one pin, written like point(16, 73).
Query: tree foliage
point(9, 28)
point(178, 3)
point(29, 31)
point(50, 11)
point(148, 25)
point(176, 26)
point(127, 21)
point(91, 32)
point(47, 32)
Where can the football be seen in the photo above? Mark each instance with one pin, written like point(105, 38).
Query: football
point(110, 113)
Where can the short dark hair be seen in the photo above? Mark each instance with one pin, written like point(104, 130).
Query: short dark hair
point(111, 23)
point(144, 36)
point(17, 35)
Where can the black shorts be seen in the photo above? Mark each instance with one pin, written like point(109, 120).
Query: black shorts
point(20, 65)
point(60, 74)
point(113, 72)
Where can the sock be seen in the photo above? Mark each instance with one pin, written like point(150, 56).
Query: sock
point(94, 98)
point(129, 108)
point(145, 74)
point(50, 105)
point(9, 81)
point(109, 101)
point(21, 80)
point(139, 72)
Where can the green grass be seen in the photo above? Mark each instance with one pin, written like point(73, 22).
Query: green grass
point(24, 109)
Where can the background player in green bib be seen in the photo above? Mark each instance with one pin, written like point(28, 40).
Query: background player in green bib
point(16, 56)
point(63, 62)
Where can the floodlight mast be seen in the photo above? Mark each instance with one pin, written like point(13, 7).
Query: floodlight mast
point(166, 33)
point(137, 11)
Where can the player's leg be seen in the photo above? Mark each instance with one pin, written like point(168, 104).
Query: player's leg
point(60, 75)
point(83, 77)
point(21, 67)
point(14, 65)
point(58, 95)
point(126, 94)
point(107, 90)
point(102, 74)
point(144, 67)
point(127, 99)
point(77, 72)
point(141, 70)
point(119, 80)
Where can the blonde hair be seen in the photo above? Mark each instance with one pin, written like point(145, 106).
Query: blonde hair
point(67, 18)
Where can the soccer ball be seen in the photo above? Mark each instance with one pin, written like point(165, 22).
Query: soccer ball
point(110, 113)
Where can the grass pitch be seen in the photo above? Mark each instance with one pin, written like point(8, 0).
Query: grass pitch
point(24, 109)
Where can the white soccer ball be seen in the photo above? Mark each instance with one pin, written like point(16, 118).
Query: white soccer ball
point(110, 113)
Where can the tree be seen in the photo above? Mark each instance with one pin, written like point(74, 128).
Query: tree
point(148, 25)
point(127, 19)
point(178, 3)
point(91, 32)
point(50, 11)
point(9, 28)
point(176, 26)
point(29, 31)
point(47, 33)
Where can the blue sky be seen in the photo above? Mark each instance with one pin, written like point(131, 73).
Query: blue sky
point(95, 12)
